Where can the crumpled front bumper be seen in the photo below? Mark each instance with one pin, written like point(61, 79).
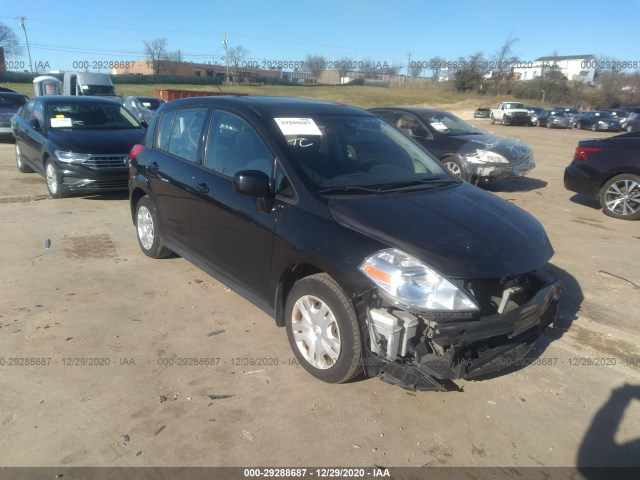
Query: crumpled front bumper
point(480, 347)
point(500, 170)
point(473, 348)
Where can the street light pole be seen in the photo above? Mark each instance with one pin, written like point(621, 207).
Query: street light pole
point(225, 41)
point(22, 19)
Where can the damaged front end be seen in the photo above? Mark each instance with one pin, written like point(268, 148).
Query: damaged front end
point(422, 348)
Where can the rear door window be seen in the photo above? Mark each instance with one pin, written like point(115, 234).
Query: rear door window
point(180, 132)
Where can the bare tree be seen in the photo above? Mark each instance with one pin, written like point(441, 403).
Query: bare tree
point(368, 68)
point(9, 41)
point(504, 58)
point(236, 56)
point(415, 69)
point(391, 70)
point(315, 64)
point(346, 65)
point(156, 52)
point(435, 65)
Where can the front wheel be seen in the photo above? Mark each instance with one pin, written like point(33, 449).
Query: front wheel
point(21, 165)
point(148, 230)
point(323, 329)
point(594, 128)
point(620, 197)
point(455, 166)
point(52, 176)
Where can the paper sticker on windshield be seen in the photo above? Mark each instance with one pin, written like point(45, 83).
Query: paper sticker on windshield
point(298, 126)
point(439, 126)
point(60, 122)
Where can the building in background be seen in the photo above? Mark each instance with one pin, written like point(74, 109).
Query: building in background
point(574, 67)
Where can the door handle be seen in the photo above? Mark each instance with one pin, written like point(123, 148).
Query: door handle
point(202, 187)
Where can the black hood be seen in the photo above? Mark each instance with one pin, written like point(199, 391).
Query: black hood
point(461, 231)
point(96, 141)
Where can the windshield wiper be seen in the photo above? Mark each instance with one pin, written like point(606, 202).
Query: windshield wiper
point(349, 189)
point(411, 184)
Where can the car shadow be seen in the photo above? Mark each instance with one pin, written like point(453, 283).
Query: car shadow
point(571, 299)
point(599, 447)
point(522, 184)
point(585, 201)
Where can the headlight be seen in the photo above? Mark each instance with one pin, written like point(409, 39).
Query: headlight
point(72, 157)
point(410, 283)
point(485, 156)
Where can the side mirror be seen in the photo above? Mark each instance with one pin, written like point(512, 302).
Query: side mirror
point(251, 182)
point(256, 184)
point(144, 124)
point(35, 124)
point(419, 132)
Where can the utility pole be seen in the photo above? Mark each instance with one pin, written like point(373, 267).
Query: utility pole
point(22, 19)
point(225, 41)
point(408, 67)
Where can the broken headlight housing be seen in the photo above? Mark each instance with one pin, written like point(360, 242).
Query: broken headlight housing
point(485, 156)
point(411, 284)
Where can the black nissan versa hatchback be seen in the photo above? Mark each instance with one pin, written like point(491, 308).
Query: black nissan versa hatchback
point(350, 234)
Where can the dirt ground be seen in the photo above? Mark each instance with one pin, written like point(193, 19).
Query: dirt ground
point(110, 328)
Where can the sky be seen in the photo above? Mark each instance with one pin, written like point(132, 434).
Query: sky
point(63, 33)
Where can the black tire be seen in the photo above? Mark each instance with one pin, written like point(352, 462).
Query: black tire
point(22, 167)
point(537, 123)
point(549, 124)
point(629, 128)
point(148, 230)
point(505, 121)
point(454, 165)
point(594, 128)
point(52, 179)
point(322, 295)
point(493, 120)
point(620, 197)
point(578, 126)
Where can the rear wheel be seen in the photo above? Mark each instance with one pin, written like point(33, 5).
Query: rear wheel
point(620, 197)
point(594, 128)
point(148, 229)
point(52, 177)
point(323, 329)
point(578, 126)
point(493, 120)
point(20, 162)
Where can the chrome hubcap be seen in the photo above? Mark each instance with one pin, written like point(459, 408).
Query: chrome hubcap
point(316, 332)
point(454, 168)
point(52, 179)
point(145, 227)
point(623, 197)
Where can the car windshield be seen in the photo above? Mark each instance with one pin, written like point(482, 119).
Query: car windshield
point(602, 115)
point(107, 90)
point(558, 113)
point(448, 124)
point(79, 116)
point(13, 102)
point(347, 153)
point(151, 103)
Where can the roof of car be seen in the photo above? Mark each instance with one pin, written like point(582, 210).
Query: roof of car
point(13, 94)
point(415, 110)
point(270, 106)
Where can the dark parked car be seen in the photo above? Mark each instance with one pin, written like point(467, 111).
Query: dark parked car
point(554, 119)
point(534, 112)
point(482, 113)
point(619, 114)
point(143, 107)
point(79, 144)
point(571, 112)
point(608, 169)
point(597, 121)
point(466, 151)
point(633, 122)
point(10, 103)
point(351, 235)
